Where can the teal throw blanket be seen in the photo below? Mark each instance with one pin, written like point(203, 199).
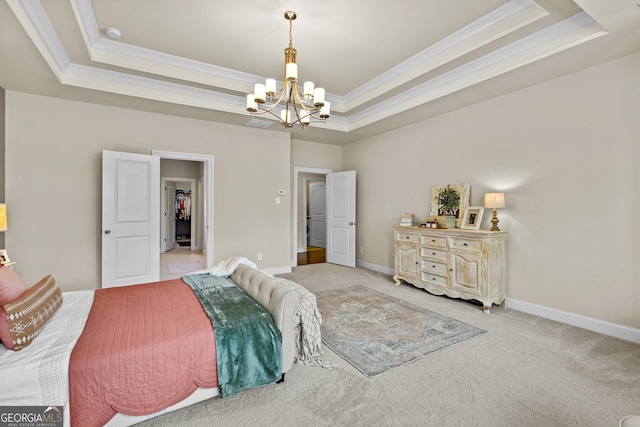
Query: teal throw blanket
point(248, 343)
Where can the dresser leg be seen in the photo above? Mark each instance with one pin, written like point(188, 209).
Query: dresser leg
point(397, 280)
point(487, 308)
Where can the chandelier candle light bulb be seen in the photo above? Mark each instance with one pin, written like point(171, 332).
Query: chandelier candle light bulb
point(308, 89)
point(301, 107)
point(260, 93)
point(271, 87)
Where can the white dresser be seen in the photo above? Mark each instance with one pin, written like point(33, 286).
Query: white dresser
point(458, 263)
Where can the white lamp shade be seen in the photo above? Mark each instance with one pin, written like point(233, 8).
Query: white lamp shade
point(308, 89)
point(260, 92)
point(251, 103)
point(318, 96)
point(324, 110)
point(291, 71)
point(494, 200)
point(271, 86)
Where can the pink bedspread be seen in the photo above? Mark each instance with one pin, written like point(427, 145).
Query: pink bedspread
point(144, 348)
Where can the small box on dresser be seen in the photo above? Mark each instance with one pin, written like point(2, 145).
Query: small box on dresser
point(465, 264)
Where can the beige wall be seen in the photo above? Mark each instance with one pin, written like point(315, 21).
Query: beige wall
point(566, 153)
point(53, 180)
point(313, 155)
point(2, 162)
point(180, 168)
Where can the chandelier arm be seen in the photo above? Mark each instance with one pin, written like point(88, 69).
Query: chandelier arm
point(262, 109)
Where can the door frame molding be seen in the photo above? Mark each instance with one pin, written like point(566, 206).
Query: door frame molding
point(208, 160)
point(163, 201)
point(297, 170)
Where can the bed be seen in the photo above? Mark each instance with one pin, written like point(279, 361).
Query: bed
point(118, 356)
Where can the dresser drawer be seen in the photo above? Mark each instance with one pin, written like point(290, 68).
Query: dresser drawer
point(467, 244)
point(434, 241)
point(432, 253)
point(434, 278)
point(434, 267)
point(408, 237)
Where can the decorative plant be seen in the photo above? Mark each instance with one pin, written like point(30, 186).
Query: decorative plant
point(449, 201)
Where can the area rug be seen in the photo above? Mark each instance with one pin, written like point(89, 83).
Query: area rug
point(376, 333)
point(184, 267)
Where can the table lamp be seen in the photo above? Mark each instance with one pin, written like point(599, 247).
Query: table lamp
point(494, 201)
point(3, 217)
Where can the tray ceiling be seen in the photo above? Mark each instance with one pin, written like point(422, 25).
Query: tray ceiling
point(384, 64)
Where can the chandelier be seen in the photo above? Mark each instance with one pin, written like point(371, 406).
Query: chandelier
point(300, 106)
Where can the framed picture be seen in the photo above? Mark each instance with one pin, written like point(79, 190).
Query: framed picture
point(472, 217)
point(4, 257)
point(462, 191)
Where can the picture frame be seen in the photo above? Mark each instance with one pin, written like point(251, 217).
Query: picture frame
point(472, 217)
point(4, 257)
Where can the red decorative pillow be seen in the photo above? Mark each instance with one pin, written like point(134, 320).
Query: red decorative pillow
point(22, 319)
point(11, 286)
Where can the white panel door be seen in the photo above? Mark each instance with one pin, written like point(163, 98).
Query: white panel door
point(318, 214)
point(341, 221)
point(130, 218)
point(170, 216)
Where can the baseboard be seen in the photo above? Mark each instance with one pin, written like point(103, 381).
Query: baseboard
point(612, 329)
point(375, 267)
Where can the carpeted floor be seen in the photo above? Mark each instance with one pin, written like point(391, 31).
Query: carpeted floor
point(525, 372)
point(377, 333)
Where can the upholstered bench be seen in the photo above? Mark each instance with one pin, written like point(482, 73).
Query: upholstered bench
point(630, 421)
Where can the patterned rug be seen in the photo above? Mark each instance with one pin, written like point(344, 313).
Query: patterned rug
point(376, 333)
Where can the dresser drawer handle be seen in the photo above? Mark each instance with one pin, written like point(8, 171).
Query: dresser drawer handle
point(464, 244)
point(433, 266)
point(407, 237)
point(433, 253)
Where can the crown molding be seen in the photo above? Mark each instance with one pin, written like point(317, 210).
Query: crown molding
point(555, 38)
point(504, 20)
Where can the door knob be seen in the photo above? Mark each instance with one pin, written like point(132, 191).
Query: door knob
point(351, 223)
point(107, 231)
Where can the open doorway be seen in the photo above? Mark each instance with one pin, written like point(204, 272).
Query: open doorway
point(340, 217)
point(314, 205)
point(309, 234)
point(186, 241)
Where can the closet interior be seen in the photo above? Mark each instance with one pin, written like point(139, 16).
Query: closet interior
point(183, 217)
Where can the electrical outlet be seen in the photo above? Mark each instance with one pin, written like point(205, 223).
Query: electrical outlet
point(259, 256)
point(361, 249)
